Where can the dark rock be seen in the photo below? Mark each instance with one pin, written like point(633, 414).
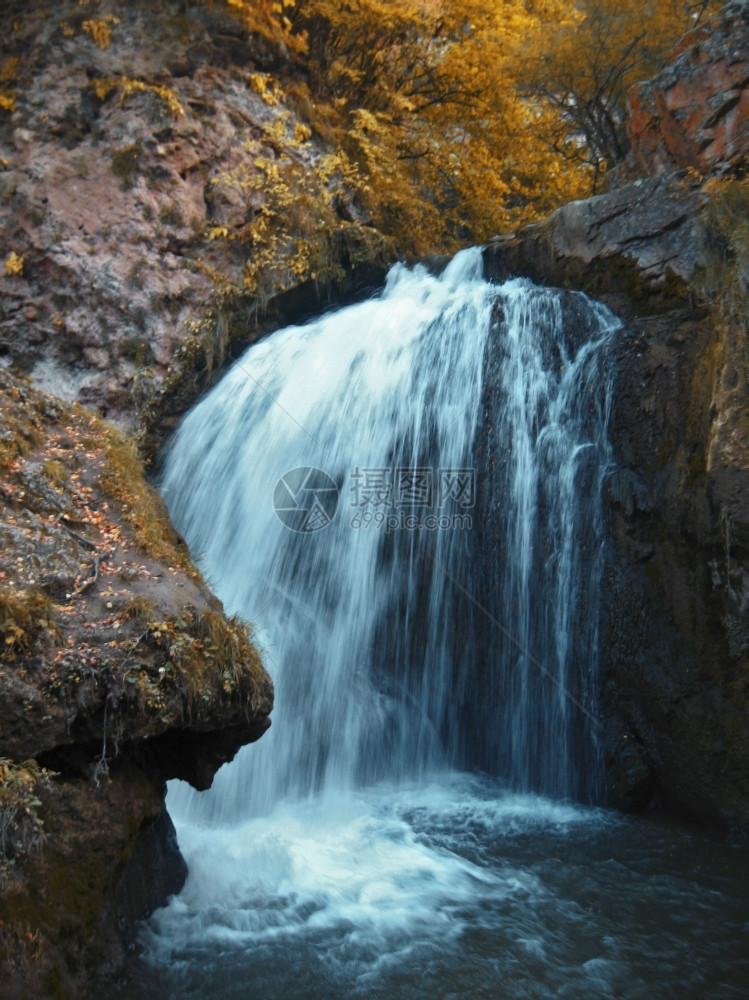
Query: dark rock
point(636, 248)
point(154, 871)
point(669, 257)
point(675, 682)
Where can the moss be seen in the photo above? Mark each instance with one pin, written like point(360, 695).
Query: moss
point(127, 164)
point(122, 478)
point(170, 215)
point(179, 663)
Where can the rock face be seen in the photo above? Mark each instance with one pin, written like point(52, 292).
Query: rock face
point(670, 256)
point(118, 671)
point(639, 242)
point(675, 651)
point(696, 112)
point(135, 161)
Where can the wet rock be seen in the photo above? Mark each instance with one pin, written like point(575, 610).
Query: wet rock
point(668, 254)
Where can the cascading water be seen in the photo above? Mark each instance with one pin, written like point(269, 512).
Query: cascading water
point(404, 498)
point(369, 396)
point(361, 620)
point(544, 454)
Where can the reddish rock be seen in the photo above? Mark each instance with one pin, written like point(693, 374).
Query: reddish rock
point(128, 209)
point(695, 113)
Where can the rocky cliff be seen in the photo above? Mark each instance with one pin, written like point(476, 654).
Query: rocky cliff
point(160, 202)
point(118, 671)
point(695, 113)
point(669, 253)
point(149, 158)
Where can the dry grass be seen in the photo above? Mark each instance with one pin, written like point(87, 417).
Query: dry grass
point(18, 432)
point(122, 478)
point(24, 616)
point(137, 609)
point(726, 220)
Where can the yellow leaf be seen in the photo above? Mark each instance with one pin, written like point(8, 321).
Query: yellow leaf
point(14, 263)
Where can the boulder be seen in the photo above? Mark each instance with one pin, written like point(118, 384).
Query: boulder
point(118, 671)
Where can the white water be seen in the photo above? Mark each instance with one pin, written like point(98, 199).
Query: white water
point(346, 854)
point(372, 635)
point(449, 889)
point(393, 383)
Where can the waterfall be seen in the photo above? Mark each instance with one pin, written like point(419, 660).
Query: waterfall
point(403, 497)
point(545, 455)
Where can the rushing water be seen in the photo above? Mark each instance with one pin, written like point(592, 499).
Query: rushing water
point(404, 498)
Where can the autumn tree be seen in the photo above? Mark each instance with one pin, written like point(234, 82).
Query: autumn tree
point(582, 70)
point(422, 97)
point(454, 120)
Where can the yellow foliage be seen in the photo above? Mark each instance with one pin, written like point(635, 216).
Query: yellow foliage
point(269, 20)
point(142, 507)
point(266, 86)
point(295, 216)
point(127, 85)
point(100, 29)
point(581, 71)
point(9, 70)
point(446, 121)
point(8, 74)
point(466, 119)
point(14, 263)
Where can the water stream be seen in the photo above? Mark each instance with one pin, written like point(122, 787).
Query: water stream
point(404, 498)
